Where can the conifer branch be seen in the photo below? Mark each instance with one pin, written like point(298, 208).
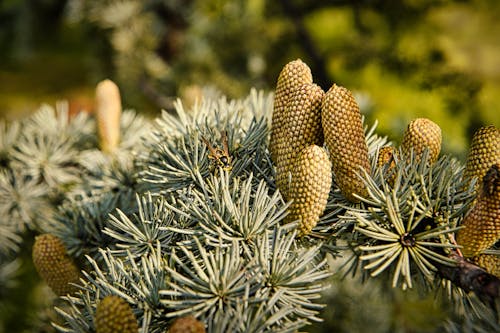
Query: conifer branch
point(472, 278)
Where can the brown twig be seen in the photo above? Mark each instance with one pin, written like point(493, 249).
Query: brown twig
point(473, 278)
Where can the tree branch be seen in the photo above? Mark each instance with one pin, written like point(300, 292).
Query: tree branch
point(473, 278)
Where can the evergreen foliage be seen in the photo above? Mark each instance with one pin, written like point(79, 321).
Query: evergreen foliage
point(173, 231)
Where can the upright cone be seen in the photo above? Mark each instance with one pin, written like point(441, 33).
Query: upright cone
point(54, 265)
point(483, 153)
point(481, 226)
point(300, 127)
point(114, 314)
point(108, 113)
point(188, 324)
point(311, 183)
point(345, 138)
point(386, 160)
point(292, 76)
point(422, 134)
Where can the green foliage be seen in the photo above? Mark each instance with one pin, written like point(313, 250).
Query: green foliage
point(161, 225)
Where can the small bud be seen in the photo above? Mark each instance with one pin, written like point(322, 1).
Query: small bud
point(108, 113)
point(386, 160)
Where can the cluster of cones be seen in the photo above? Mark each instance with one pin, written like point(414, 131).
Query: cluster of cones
point(481, 226)
point(306, 120)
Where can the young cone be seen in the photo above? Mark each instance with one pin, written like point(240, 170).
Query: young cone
point(420, 134)
point(345, 138)
point(482, 224)
point(386, 157)
point(483, 153)
point(114, 314)
point(292, 76)
point(188, 324)
point(108, 113)
point(311, 183)
point(54, 265)
point(490, 262)
point(300, 127)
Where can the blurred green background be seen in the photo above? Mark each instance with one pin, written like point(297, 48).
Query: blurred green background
point(402, 59)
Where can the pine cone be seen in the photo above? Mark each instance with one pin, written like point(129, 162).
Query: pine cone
point(482, 224)
point(483, 153)
point(54, 265)
point(292, 76)
point(114, 314)
point(345, 138)
point(187, 324)
point(108, 113)
point(311, 183)
point(420, 134)
point(490, 263)
point(300, 127)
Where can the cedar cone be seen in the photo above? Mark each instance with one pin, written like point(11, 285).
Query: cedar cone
point(482, 224)
point(300, 127)
point(386, 157)
point(345, 138)
point(188, 324)
point(54, 265)
point(114, 314)
point(420, 134)
point(292, 76)
point(483, 153)
point(311, 183)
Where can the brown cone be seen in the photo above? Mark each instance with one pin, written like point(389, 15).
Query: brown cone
point(345, 138)
point(54, 265)
point(114, 314)
point(292, 76)
point(481, 226)
point(187, 324)
point(420, 134)
point(386, 160)
point(311, 183)
point(483, 152)
point(301, 127)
